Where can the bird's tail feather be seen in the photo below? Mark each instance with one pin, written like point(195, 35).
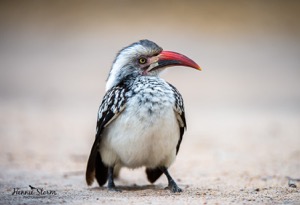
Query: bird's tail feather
point(95, 167)
point(153, 174)
point(90, 169)
point(101, 170)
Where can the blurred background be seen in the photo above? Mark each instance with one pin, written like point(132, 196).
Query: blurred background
point(55, 57)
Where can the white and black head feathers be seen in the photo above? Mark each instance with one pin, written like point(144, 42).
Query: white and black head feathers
point(132, 60)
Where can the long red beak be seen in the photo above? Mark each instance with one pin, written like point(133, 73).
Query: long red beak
point(170, 58)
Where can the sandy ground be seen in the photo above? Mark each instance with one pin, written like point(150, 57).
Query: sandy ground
point(243, 161)
point(242, 145)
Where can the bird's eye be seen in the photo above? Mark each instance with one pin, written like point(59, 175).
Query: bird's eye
point(142, 60)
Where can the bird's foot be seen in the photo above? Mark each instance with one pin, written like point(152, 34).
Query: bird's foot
point(112, 187)
point(173, 187)
point(172, 184)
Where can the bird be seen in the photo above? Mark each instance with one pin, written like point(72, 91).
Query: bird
point(141, 120)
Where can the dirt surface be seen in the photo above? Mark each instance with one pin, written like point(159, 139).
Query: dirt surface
point(243, 161)
point(242, 145)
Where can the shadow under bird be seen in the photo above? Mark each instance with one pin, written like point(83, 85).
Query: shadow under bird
point(141, 119)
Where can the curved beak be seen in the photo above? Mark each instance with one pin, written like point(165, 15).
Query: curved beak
point(170, 58)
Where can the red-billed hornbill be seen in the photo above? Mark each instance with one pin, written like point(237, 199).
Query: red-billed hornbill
point(141, 118)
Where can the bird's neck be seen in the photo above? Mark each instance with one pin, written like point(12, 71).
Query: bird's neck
point(127, 80)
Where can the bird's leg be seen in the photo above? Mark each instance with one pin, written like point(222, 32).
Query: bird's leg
point(111, 185)
point(172, 184)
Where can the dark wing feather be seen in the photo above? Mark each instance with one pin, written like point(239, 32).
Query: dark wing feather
point(112, 105)
point(154, 174)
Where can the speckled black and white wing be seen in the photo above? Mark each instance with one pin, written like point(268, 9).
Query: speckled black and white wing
point(112, 105)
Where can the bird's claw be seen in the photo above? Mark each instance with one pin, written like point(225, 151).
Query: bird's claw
point(114, 189)
point(174, 188)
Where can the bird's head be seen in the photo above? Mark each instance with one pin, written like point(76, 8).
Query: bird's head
point(144, 58)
